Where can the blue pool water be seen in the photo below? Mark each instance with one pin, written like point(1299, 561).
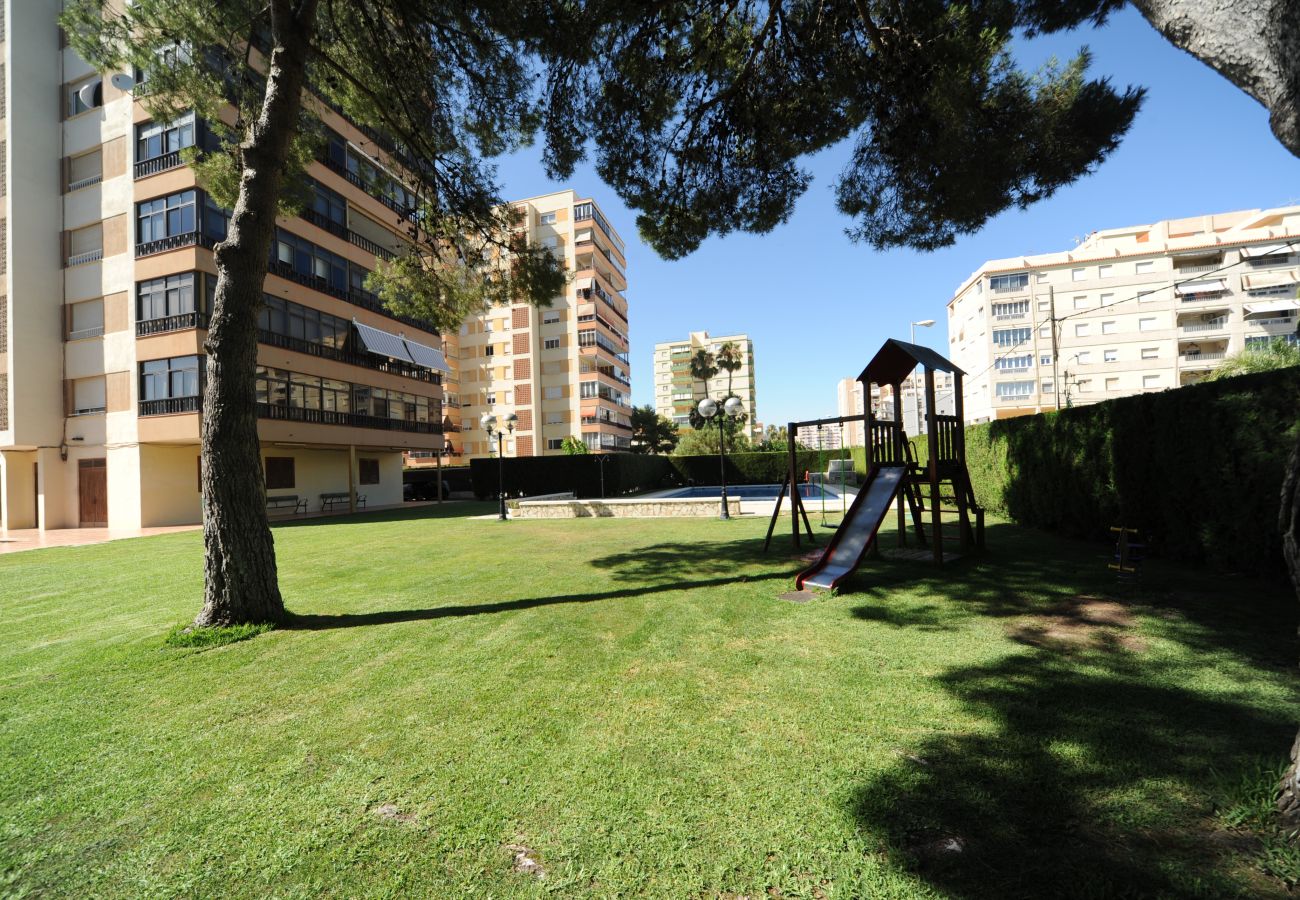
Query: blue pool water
point(752, 492)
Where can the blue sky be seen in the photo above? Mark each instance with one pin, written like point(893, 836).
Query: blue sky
point(817, 306)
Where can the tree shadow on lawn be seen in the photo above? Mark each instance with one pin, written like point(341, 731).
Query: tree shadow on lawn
point(1087, 783)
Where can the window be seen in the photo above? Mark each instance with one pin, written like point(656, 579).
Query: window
point(368, 471)
point(86, 245)
point(303, 323)
point(1003, 284)
point(550, 316)
point(1145, 267)
point(464, 328)
point(490, 350)
point(330, 208)
point(305, 258)
point(1006, 337)
point(1112, 384)
point(1150, 352)
point(1084, 357)
point(1045, 359)
point(1080, 302)
point(165, 379)
point(1085, 385)
point(551, 393)
point(155, 139)
point(1014, 389)
point(551, 344)
point(1108, 327)
point(1146, 296)
point(279, 473)
point(166, 216)
point(88, 396)
point(509, 398)
point(1105, 271)
point(1150, 381)
point(85, 170)
point(491, 398)
point(547, 218)
point(555, 418)
point(1044, 306)
point(1014, 362)
point(1048, 388)
point(1009, 310)
point(163, 297)
point(76, 104)
point(1147, 324)
point(1078, 274)
point(1042, 277)
point(87, 320)
point(1081, 329)
point(1109, 355)
point(555, 443)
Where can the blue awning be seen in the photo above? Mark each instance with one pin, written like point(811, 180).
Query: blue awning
point(426, 356)
point(381, 343)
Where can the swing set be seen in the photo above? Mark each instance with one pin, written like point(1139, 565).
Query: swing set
point(940, 487)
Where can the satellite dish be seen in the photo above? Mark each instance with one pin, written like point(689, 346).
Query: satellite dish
point(122, 81)
point(86, 93)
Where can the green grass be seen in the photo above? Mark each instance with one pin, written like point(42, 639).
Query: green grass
point(631, 702)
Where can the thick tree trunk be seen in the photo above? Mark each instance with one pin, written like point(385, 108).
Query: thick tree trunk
point(1255, 44)
point(1288, 802)
point(239, 553)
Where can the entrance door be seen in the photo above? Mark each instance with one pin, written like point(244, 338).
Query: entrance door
point(93, 475)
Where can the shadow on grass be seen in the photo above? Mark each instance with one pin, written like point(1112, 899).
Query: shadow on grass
point(321, 622)
point(670, 561)
point(1083, 785)
point(452, 509)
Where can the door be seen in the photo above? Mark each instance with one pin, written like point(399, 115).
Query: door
point(93, 492)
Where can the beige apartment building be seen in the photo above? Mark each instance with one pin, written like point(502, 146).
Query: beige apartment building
point(1141, 308)
point(677, 392)
point(108, 277)
point(563, 369)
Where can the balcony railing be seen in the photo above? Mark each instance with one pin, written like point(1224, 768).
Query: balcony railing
point(84, 182)
point(1192, 270)
point(1215, 325)
point(370, 246)
point(366, 360)
point(178, 322)
point(1203, 297)
point(81, 259)
point(1192, 358)
point(146, 167)
point(170, 406)
point(324, 223)
point(175, 242)
point(1280, 320)
point(333, 417)
point(358, 181)
point(82, 334)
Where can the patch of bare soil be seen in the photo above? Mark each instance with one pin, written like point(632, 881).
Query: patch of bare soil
point(1080, 623)
point(525, 861)
point(391, 812)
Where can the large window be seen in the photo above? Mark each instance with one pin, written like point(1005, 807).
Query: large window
point(155, 139)
point(368, 471)
point(173, 295)
point(1007, 337)
point(166, 216)
point(293, 320)
point(1003, 284)
point(279, 472)
point(294, 390)
point(305, 258)
point(167, 379)
point(329, 207)
point(1014, 389)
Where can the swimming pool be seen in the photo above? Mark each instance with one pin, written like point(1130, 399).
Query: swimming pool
point(750, 492)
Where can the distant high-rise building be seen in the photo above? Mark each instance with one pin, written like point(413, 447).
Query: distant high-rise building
point(1139, 308)
point(677, 391)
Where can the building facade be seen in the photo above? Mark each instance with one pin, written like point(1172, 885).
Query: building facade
point(677, 392)
point(107, 286)
point(1141, 308)
point(563, 369)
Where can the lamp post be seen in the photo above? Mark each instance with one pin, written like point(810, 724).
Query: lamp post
point(489, 423)
point(916, 393)
point(708, 409)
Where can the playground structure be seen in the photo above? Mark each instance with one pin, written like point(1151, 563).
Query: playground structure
point(895, 478)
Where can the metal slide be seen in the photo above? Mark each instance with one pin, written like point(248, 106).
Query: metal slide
point(857, 531)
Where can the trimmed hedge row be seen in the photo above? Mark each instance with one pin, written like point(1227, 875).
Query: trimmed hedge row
point(629, 473)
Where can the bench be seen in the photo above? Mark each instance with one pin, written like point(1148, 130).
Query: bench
point(287, 501)
point(328, 501)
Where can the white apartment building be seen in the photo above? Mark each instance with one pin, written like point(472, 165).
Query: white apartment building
point(563, 369)
point(823, 437)
point(677, 392)
point(849, 402)
point(913, 400)
point(1140, 308)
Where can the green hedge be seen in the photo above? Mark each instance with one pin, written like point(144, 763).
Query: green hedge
point(1198, 470)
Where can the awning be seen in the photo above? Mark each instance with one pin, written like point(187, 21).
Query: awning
point(1205, 286)
point(381, 343)
point(1274, 306)
point(1265, 250)
point(1270, 279)
point(584, 284)
point(426, 356)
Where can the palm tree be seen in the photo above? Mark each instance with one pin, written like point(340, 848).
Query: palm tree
point(703, 367)
point(730, 361)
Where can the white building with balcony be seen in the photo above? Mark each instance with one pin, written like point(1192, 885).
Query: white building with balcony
point(1141, 308)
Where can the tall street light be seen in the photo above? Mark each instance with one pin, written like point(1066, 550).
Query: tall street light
point(489, 423)
point(708, 410)
point(916, 394)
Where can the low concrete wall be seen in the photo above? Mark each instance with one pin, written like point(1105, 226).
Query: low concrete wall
point(622, 509)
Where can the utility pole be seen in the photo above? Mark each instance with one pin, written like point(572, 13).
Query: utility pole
point(1056, 384)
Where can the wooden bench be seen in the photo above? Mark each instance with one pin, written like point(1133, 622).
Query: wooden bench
point(328, 501)
point(291, 502)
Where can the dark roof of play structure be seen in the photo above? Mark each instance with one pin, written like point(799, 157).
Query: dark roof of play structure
point(896, 360)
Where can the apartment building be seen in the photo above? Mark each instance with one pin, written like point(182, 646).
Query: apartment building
point(562, 370)
point(677, 392)
point(107, 284)
point(1140, 308)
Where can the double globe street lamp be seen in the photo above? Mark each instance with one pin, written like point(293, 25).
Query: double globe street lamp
point(708, 410)
point(489, 423)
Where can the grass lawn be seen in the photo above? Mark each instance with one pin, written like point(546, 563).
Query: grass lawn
point(628, 705)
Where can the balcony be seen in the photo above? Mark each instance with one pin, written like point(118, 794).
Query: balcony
point(90, 256)
point(169, 406)
point(359, 182)
point(178, 322)
point(175, 242)
point(167, 161)
point(1218, 324)
point(1200, 359)
point(82, 334)
point(84, 182)
point(365, 360)
point(354, 420)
